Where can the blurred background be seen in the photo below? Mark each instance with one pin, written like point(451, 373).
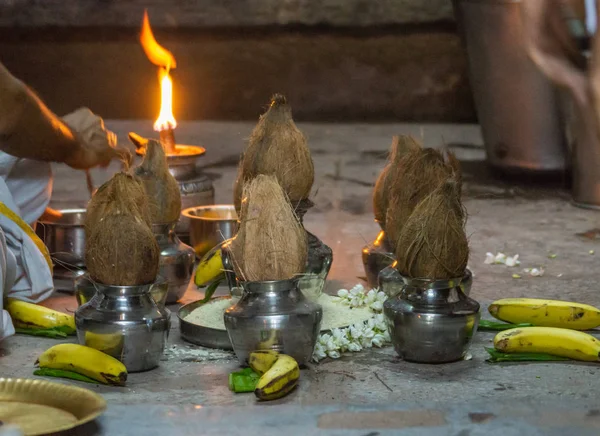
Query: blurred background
point(336, 60)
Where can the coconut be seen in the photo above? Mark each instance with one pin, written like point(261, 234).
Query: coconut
point(123, 193)
point(416, 176)
point(433, 243)
point(401, 146)
point(122, 251)
point(120, 247)
point(161, 187)
point(270, 243)
point(276, 147)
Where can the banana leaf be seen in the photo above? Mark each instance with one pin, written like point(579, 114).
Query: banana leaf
point(243, 381)
point(49, 372)
point(210, 290)
point(498, 356)
point(60, 332)
point(499, 326)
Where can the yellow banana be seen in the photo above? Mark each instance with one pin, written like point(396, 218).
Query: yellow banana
point(33, 316)
point(84, 360)
point(262, 360)
point(549, 340)
point(546, 313)
point(109, 343)
point(210, 267)
point(279, 380)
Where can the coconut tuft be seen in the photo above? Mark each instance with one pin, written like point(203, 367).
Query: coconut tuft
point(277, 148)
point(417, 175)
point(400, 148)
point(120, 246)
point(433, 243)
point(270, 243)
point(161, 187)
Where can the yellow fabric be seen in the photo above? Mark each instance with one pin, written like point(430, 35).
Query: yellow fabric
point(6, 211)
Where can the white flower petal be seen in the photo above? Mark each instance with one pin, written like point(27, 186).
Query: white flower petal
point(500, 258)
point(333, 354)
point(489, 258)
point(354, 346)
point(377, 306)
point(342, 293)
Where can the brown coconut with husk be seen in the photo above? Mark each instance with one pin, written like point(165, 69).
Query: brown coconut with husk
point(277, 148)
point(433, 243)
point(120, 247)
point(417, 174)
point(161, 187)
point(270, 243)
point(400, 148)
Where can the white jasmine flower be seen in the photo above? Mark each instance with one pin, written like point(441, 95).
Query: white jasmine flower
point(386, 336)
point(371, 296)
point(357, 290)
point(513, 261)
point(356, 331)
point(489, 258)
point(319, 352)
point(354, 347)
point(500, 258)
point(342, 293)
point(537, 272)
point(333, 354)
point(378, 340)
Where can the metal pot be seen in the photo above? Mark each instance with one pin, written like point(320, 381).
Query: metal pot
point(210, 225)
point(376, 257)
point(274, 315)
point(85, 290)
point(176, 260)
point(126, 323)
point(431, 321)
point(65, 237)
point(390, 281)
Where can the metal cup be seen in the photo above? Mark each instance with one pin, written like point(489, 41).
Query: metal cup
point(210, 225)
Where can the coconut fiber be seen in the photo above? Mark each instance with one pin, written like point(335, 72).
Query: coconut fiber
point(277, 148)
point(270, 244)
point(401, 146)
point(417, 174)
point(120, 246)
point(161, 187)
point(433, 243)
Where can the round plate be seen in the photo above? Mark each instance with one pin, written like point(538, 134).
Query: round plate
point(199, 335)
point(40, 407)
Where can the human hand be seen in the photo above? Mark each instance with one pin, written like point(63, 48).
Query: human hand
point(97, 145)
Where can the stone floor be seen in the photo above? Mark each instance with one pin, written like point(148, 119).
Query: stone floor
point(372, 392)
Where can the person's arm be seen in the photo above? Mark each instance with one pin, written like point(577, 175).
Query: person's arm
point(28, 129)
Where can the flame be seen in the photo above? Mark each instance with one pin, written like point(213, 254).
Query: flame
point(165, 60)
point(165, 119)
point(156, 54)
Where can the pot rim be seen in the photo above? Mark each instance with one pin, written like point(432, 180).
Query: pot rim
point(57, 223)
point(269, 285)
point(436, 283)
point(188, 213)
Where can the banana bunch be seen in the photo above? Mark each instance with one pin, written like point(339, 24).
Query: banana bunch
point(280, 374)
point(210, 267)
point(546, 313)
point(39, 320)
point(81, 363)
point(552, 341)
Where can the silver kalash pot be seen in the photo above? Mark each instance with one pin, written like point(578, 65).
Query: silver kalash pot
point(390, 281)
point(377, 256)
point(431, 321)
point(273, 315)
point(126, 323)
point(176, 260)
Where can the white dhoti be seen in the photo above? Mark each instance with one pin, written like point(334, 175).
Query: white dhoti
point(25, 188)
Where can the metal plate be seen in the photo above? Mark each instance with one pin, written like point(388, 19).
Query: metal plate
point(199, 335)
point(40, 407)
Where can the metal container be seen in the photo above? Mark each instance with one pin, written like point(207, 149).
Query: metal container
point(210, 225)
point(65, 237)
point(274, 315)
point(85, 290)
point(517, 106)
point(126, 323)
point(377, 256)
point(200, 335)
point(431, 321)
point(390, 281)
point(196, 188)
point(176, 260)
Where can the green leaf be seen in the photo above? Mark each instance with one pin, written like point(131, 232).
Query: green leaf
point(54, 333)
point(240, 383)
point(498, 356)
point(210, 290)
point(50, 372)
point(499, 326)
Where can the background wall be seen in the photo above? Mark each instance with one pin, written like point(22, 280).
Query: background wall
point(389, 60)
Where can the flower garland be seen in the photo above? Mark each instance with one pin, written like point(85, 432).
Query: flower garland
point(373, 332)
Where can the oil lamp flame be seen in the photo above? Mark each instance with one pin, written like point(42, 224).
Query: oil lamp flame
point(165, 119)
point(156, 54)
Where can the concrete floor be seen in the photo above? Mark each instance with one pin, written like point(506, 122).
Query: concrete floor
point(372, 392)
